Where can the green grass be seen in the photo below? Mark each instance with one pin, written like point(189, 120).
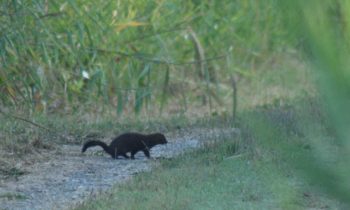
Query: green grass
point(202, 180)
point(128, 50)
point(249, 171)
point(20, 137)
point(13, 196)
point(286, 142)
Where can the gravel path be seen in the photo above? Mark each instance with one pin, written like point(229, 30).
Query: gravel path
point(68, 177)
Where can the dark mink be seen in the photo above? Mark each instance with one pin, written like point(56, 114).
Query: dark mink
point(129, 142)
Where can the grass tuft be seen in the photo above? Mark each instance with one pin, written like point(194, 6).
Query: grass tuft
point(11, 172)
point(13, 196)
point(250, 170)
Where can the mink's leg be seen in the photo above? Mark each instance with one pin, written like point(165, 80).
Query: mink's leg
point(126, 156)
point(146, 153)
point(133, 155)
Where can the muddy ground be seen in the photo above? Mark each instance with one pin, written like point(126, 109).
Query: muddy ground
point(63, 177)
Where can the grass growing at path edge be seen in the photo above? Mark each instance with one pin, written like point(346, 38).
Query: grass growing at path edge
point(205, 179)
point(237, 173)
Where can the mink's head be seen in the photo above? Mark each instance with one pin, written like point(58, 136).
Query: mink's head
point(160, 138)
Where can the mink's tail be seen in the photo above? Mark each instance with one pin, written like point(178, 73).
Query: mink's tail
point(93, 143)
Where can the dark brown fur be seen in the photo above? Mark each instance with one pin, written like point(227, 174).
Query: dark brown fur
point(129, 142)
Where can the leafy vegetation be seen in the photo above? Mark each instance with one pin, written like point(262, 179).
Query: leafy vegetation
point(77, 66)
point(131, 56)
point(247, 171)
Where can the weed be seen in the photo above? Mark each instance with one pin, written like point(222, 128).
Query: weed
point(226, 174)
point(11, 172)
point(13, 196)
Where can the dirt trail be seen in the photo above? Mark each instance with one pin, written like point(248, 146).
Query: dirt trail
point(68, 178)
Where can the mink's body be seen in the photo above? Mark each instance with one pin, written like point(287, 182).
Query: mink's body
point(129, 142)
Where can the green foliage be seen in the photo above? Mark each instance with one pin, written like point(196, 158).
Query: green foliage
point(11, 196)
point(115, 57)
point(236, 172)
point(56, 55)
point(324, 26)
